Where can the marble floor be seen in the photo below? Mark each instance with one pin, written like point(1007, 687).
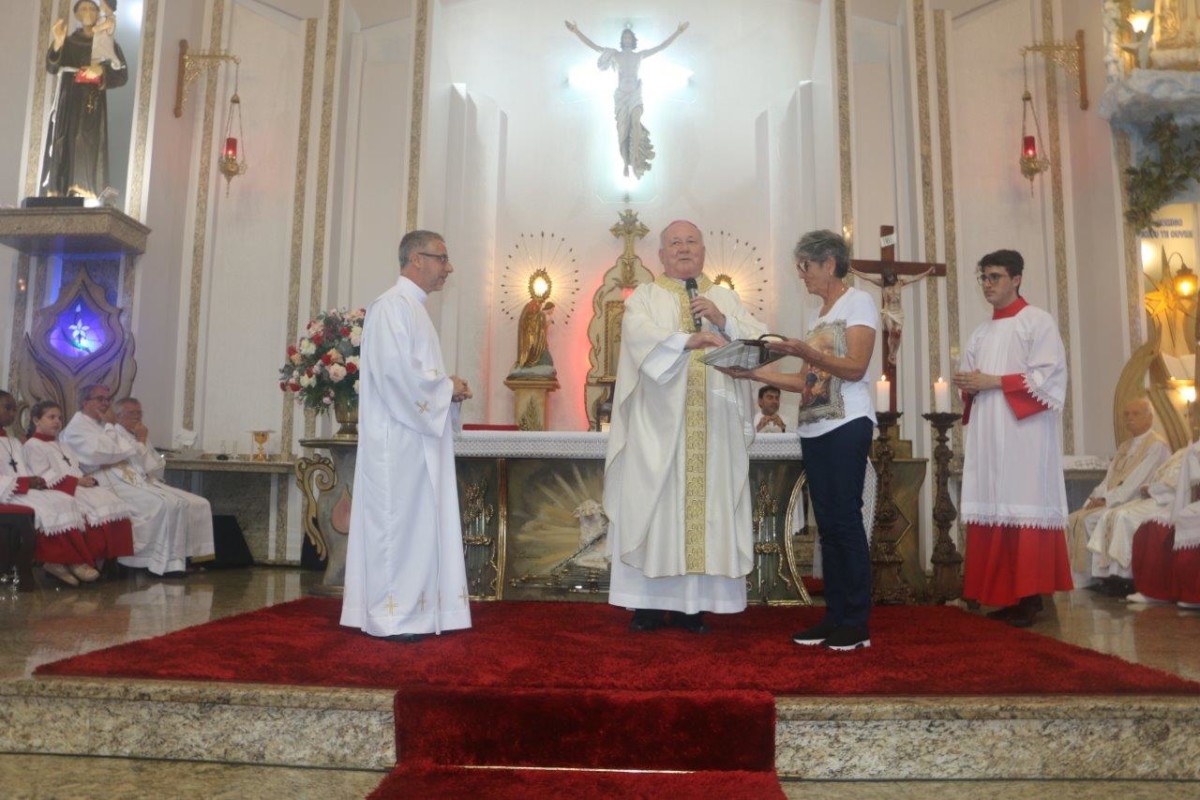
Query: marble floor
point(54, 623)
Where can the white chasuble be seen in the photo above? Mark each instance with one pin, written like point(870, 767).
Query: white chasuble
point(169, 525)
point(1013, 472)
point(676, 483)
point(1110, 539)
point(405, 571)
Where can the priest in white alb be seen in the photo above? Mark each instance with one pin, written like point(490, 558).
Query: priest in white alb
point(1014, 500)
point(405, 574)
point(1135, 461)
point(676, 481)
point(169, 525)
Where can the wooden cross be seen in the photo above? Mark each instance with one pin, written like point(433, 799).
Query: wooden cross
point(890, 280)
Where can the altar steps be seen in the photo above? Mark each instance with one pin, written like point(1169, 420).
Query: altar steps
point(816, 738)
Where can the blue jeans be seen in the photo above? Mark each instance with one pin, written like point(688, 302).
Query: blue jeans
point(836, 465)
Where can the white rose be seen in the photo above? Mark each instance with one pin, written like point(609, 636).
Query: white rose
point(336, 372)
point(307, 347)
point(306, 381)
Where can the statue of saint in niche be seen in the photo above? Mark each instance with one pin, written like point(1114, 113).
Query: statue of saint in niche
point(632, 138)
point(89, 63)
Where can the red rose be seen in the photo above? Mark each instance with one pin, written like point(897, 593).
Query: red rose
point(327, 359)
point(351, 368)
point(308, 372)
point(318, 339)
point(344, 331)
point(291, 351)
point(295, 387)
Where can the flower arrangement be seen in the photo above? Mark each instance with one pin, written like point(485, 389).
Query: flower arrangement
point(322, 367)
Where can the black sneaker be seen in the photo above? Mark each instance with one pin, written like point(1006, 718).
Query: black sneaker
point(848, 638)
point(816, 634)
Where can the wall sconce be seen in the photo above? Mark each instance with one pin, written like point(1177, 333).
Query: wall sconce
point(232, 161)
point(1185, 280)
point(1070, 58)
point(1030, 162)
point(1139, 48)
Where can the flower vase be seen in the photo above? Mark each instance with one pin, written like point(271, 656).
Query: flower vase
point(345, 411)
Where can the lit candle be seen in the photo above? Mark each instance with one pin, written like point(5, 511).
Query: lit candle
point(941, 396)
point(231, 147)
point(883, 395)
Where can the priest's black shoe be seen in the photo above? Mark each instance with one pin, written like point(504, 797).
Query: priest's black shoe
point(647, 619)
point(692, 623)
point(406, 638)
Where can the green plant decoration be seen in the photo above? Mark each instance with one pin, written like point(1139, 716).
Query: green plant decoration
point(1152, 183)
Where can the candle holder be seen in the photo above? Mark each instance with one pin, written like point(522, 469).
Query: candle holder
point(947, 561)
point(888, 586)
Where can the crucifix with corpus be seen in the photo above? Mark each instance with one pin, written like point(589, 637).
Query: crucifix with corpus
point(891, 276)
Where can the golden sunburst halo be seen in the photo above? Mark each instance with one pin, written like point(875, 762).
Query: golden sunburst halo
point(735, 264)
point(539, 266)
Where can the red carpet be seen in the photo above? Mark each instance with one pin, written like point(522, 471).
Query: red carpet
point(918, 650)
point(586, 729)
point(449, 783)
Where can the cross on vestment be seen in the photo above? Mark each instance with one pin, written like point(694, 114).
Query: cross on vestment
point(889, 275)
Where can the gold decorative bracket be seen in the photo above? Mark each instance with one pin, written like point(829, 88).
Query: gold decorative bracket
point(191, 65)
point(1070, 58)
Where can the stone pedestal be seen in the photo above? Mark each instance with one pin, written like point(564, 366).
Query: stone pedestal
point(531, 396)
point(327, 484)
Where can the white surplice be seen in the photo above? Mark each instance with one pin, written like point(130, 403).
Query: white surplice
point(405, 572)
point(54, 462)
point(54, 512)
point(169, 525)
point(646, 468)
point(1013, 473)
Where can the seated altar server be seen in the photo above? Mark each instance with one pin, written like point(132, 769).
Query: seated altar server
point(109, 528)
point(405, 573)
point(61, 545)
point(1135, 461)
point(169, 525)
point(676, 479)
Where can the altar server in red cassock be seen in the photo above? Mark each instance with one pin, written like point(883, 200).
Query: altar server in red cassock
point(1014, 382)
point(61, 545)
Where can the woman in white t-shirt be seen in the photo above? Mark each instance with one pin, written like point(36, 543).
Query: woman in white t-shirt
point(836, 423)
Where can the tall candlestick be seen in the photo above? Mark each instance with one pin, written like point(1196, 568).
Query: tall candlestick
point(941, 396)
point(883, 395)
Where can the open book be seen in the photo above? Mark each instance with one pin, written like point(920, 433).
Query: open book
point(744, 353)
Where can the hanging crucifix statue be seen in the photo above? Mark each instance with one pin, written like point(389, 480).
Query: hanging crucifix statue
point(891, 276)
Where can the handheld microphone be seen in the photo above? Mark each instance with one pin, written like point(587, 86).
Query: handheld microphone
point(692, 293)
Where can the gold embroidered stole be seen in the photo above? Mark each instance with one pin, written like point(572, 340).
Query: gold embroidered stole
point(1127, 459)
point(695, 434)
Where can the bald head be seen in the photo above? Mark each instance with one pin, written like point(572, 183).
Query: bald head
point(681, 250)
point(1138, 415)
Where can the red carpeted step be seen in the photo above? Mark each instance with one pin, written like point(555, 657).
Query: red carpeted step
point(614, 729)
point(436, 783)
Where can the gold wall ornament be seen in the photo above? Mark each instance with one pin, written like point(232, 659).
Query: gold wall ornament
point(1070, 58)
point(608, 309)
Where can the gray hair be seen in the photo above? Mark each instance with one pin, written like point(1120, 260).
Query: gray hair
point(85, 392)
point(820, 245)
point(119, 406)
point(662, 235)
point(413, 241)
